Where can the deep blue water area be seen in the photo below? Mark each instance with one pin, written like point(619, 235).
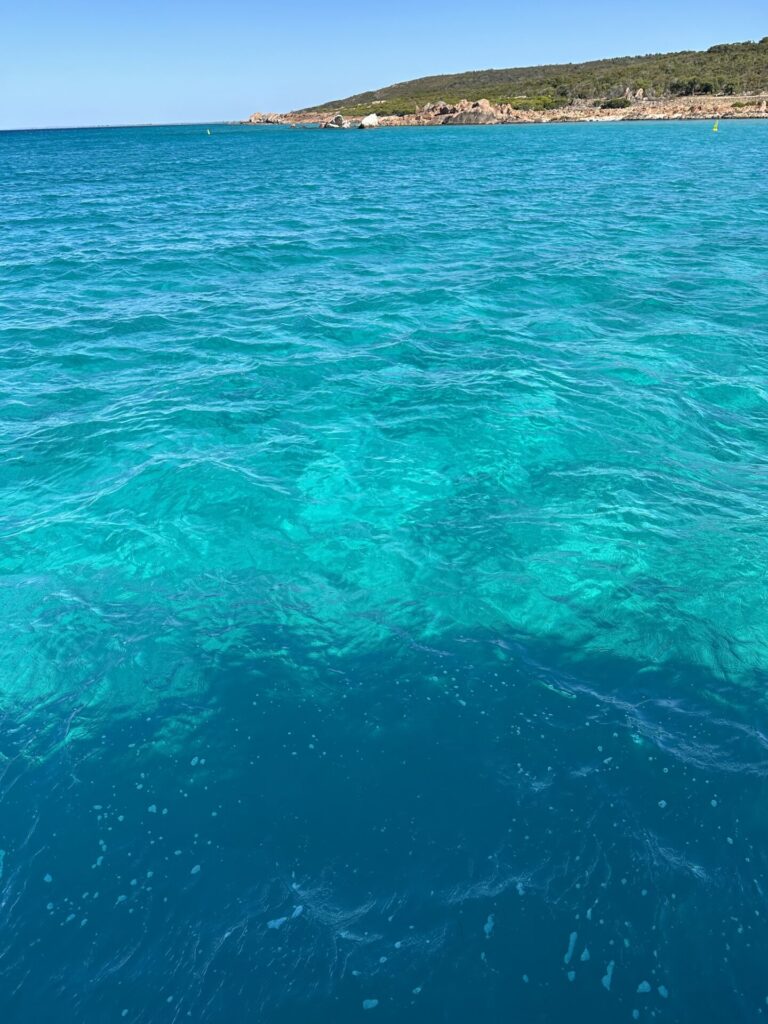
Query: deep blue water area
point(384, 575)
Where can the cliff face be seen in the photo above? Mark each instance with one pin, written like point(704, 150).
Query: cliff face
point(635, 107)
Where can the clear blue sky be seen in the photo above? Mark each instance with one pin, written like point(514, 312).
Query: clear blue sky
point(83, 62)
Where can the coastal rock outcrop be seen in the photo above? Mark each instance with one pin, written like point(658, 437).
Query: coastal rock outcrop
point(438, 109)
point(639, 107)
point(267, 119)
point(469, 117)
point(479, 112)
point(336, 122)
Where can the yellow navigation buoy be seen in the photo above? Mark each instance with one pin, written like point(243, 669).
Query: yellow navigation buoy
point(715, 126)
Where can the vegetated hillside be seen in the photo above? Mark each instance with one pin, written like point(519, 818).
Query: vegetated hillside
point(727, 68)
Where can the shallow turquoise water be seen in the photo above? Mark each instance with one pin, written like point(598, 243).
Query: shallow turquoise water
point(383, 574)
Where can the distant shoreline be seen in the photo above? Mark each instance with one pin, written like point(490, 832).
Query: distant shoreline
point(483, 112)
point(705, 109)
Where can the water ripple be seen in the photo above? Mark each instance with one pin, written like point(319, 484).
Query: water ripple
point(383, 573)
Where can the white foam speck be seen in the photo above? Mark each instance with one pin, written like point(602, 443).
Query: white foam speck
point(488, 926)
point(643, 987)
point(277, 922)
point(370, 1004)
point(571, 946)
point(47, 878)
point(664, 992)
point(195, 870)
point(608, 976)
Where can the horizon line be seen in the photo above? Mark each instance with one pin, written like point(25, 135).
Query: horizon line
point(103, 127)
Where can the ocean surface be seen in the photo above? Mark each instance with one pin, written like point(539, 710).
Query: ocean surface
point(384, 575)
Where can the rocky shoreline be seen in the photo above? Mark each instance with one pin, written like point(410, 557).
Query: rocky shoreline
point(635, 107)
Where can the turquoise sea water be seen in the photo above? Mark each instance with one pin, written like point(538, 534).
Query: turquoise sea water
point(383, 575)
